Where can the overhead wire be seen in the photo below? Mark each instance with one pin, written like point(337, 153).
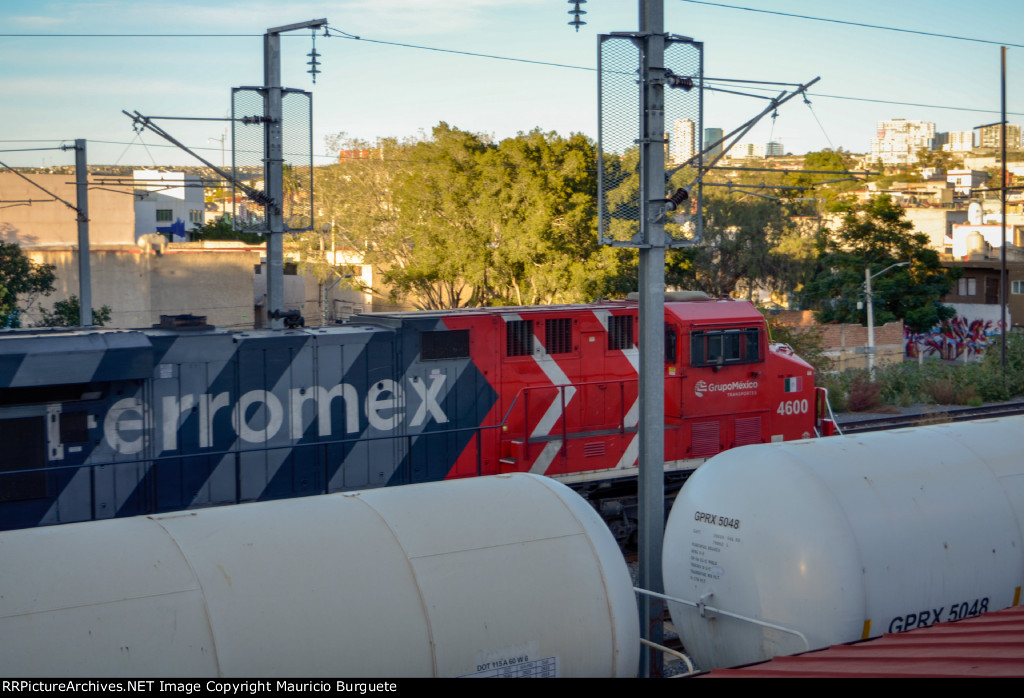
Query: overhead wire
point(855, 24)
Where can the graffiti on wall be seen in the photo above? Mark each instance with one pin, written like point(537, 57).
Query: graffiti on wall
point(957, 338)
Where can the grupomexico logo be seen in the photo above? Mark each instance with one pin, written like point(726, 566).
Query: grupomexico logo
point(702, 386)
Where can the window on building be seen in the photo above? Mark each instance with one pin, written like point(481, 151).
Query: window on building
point(195, 217)
point(620, 332)
point(164, 215)
point(519, 338)
point(1017, 287)
point(967, 287)
point(719, 347)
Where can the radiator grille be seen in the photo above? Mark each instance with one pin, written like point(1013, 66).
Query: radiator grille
point(748, 431)
point(705, 440)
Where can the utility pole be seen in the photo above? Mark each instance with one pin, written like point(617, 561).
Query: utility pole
point(82, 205)
point(273, 167)
point(1002, 246)
point(651, 477)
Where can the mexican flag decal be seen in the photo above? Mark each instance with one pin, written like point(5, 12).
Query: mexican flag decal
point(793, 385)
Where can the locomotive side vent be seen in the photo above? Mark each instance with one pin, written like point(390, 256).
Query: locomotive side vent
point(558, 335)
point(519, 338)
point(183, 322)
point(705, 439)
point(748, 431)
point(620, 332)
point(446, 344)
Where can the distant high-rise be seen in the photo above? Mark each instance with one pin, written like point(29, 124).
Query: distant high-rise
point(774, 149)
point(989, 136)
point(683, 144)
point(747, 151)
point(898, 141)
point(712, 136)
point(954, 141)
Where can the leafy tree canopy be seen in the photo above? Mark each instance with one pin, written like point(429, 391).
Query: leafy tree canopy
point(22, 281)
point(67, 313)
point(748, 243)
point(455, 219)
point(876, 235)
point(221, 229)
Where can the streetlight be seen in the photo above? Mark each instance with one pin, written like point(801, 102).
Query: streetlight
point(871, 313)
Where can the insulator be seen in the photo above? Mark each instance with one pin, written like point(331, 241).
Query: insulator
point(680, 81)
point(679, 197)
point(576, 12)
point(313, 63)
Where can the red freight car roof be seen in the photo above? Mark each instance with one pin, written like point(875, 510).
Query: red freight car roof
point(718, 310)
point(991, 644)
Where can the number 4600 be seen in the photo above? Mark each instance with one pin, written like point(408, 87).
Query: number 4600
point(793, 407)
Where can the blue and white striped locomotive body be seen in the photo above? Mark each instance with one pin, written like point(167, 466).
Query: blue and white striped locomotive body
point(102, 424)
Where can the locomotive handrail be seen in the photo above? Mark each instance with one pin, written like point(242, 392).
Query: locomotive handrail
point(258, 449)
point(621, 428)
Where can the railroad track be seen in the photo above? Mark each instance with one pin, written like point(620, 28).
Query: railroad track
point(937, 415)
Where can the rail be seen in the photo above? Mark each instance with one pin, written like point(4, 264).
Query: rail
point(936, 416)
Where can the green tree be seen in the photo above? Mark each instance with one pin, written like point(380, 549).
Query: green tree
point(541, 223)
point(444, 220)
point(875, 235)
point(455, 219)
point(749, 243)
point(942, 159)
point(22, 281)
point(221, 229)
point(66, 313)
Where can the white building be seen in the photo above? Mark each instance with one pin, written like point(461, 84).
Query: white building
point(964, 181)
point(958, 142)
point(746, 151)
point(898, 141)
point(170, 203)
point(683, 142)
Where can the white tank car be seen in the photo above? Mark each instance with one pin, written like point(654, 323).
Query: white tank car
point(844, 538)
point(509, 575)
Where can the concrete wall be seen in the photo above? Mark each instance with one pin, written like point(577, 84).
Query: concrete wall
point(48, 222)
point(937, 224)
point(140, 286)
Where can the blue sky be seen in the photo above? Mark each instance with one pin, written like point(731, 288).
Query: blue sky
point(60, 87)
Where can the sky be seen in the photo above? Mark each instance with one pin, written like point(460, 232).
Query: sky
point(55, 87)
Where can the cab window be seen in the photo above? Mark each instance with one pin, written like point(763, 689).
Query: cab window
point(723, 347)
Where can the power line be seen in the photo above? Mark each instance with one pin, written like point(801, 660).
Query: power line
point(129, 36)
point(463, 53)
point(708, 81)
point(855, 24)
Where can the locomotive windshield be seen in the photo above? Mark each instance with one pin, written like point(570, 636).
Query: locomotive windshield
point(731, 346)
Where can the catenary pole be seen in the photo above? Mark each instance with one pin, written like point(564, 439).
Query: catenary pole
point(273, 163)
point(1002, 218)
point(273, 159)
point(651, 484)
point(82, 205)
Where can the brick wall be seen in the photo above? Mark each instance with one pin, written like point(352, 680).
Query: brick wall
point(842, 341)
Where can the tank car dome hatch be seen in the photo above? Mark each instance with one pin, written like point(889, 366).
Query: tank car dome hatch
point(498, 576)
point(845, 538)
